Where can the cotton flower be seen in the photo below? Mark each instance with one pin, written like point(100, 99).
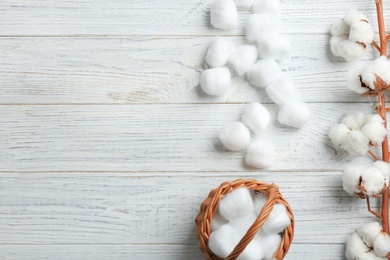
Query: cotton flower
point(355, 247)
point(382, 245)
point(235, 136)
point(219, 52)
point(256, 117)
point(369, 232)
point(215, 81)
point(243, 58)
point(353, 16)
point(263, 73)
point(338, 28)
point(351, 178)
point(223, 14)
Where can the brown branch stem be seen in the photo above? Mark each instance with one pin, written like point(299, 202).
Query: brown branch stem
point(373, 155)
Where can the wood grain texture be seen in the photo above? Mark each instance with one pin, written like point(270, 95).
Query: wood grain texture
point(151, 70)
point(174, 17)
point(159, 208)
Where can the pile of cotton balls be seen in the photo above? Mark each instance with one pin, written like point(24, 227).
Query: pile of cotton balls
point(368, 242)
point(266, 44)
point(236, 213)
point(351, 35)
point(358, 132)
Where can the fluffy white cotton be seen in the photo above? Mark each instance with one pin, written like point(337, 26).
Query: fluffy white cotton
point(294, 113)
point(375, 132)
point(354, 121)
point(215, 81)
point(253, 251)
point(217, 221)
point(369, 232)
point(263, 73)
point(355, 143)
point(354, 82)
point(235, 136)
point(223, 14)
point(270, 243)
point(259, 201)
point(337, 133)
point(382, 245)
point(335, 42)
point(235, 204)
point(260, 154)
point(219, 52)
point(243, 58)
point(259, 25)
point(370, 256)
point(266, 7)
point(373, 118)
point(361, 31)
point(340, 27)
point(278, 220)
point(353, 16)
point(372, 181)
point(256, 117)
point(223, 240)
point(351, 178)
point(384, 167)
point(355, 247)
point(274, 46)
point(380, 67)
point(243, 223)
point(350, 50)
point(244, 3)
point(281, 90)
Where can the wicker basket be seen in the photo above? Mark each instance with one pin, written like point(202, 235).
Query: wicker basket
point(210, 205)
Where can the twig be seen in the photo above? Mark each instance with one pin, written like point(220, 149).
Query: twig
point(372, 211)
point(373, 155)
point(376, 45)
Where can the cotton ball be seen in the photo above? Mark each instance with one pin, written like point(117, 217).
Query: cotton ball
point(368, 232)
point(235, 136)
point(258, 25)
point(350, 50)
point(259, 201)
point(353, 16)
point(373, 182)
point(281, 90)
point(351, 178)
point(337, 133)
point(253, 251)
point(223, 240)
point(375, 132)
point(223, 14)
point(263, 72)
point(361, 31)
point(355, 247)
point(373, 118)
point(378, 68)
point(266, 7)
point(340, 27)
point(384, 167)
point(277, 47)
point(355, 143)
point(278, 220)
point(243, 58)
point(354, 82)
point(244, 3)
point(243, 223)
point(217, 221)
point(335, 42)
point(382, 245)
point(260, 154)
point(215, 81)
point(219, 52)
point(294, 113)
point(256, 117)
point(270, 243)
point(236, 203)
point(354, 121)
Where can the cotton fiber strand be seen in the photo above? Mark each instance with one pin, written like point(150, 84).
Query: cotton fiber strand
point(276, 47)
point(223, 14)
point(355, 247)
point(260, 25)
point(369, 232)
point(277, 221)
point(219, 52)
point(281, 90)
point(215, 81)
point(382, 245)
point(256, 117)
point(244, 3)
point(235, 136)
point(263, 73)
point(243, 58)
point(223, 240)
point(294, 113)
point(260, 154)
point(270, 243)
point(235, 204)
point(267, 7)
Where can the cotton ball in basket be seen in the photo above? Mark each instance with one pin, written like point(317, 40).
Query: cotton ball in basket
point(263, 73)
point(276, 46)
point(280, 91)
point(355, 247)
point(351, 178)
point(244, 3)
point(294, 113)
point(219, 52)
point(223, 14)
point(259, 25)
point(369, 232)
point(243, 58)
point(267, 7)
point(256, 117)
point(278, 220)
point(254, 250)
point(259, 201)
point(361, 31)
point(270, 243)
point(235, 136)
point(260, 154)
point(375, 132)
point(243, 223)
point(215, 81)
point(223, 240)
point(217, 221)
point(382, 245)
point(236, 203)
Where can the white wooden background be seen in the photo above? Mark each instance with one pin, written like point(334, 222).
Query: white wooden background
point(108, 147)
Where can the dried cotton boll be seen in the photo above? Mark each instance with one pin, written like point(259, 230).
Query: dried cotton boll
point(351, 178)
point(278, 220)
point(276, 47)
point(356, 143)
point(259, 201)
point(217, 221)
point(382, 245)
point(215, 81)
point(361, 31)
point(355, 247)
point(256, 117)
point(350, 50)
point(370, 256)
point(219, 52)
point(374, 118)
point(235, 204)
point(378, 68)
point(353, 16)
point(235, 136)
point(243, 223)
point(375, 132)
point(372, 181)
point(384, 167)
point(294, 113)
point(340, 27)
point(223, 240)
point(354, 121)
point(335, 42)
point(260, 154)
point(263, 73)
point(337, 133)
point(281, 90)
point(243, 58)
point(244, 3)
point(369, 232)
point(266, 7)
point(354, 81)
point(223, 14)
point(270, 243)
point(258, 25)
point(253, 251)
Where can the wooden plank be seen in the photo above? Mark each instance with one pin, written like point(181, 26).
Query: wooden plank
point(151, 70)
point(185, 17)
point(147, 252)
point(112, 208)
point(157, 138)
